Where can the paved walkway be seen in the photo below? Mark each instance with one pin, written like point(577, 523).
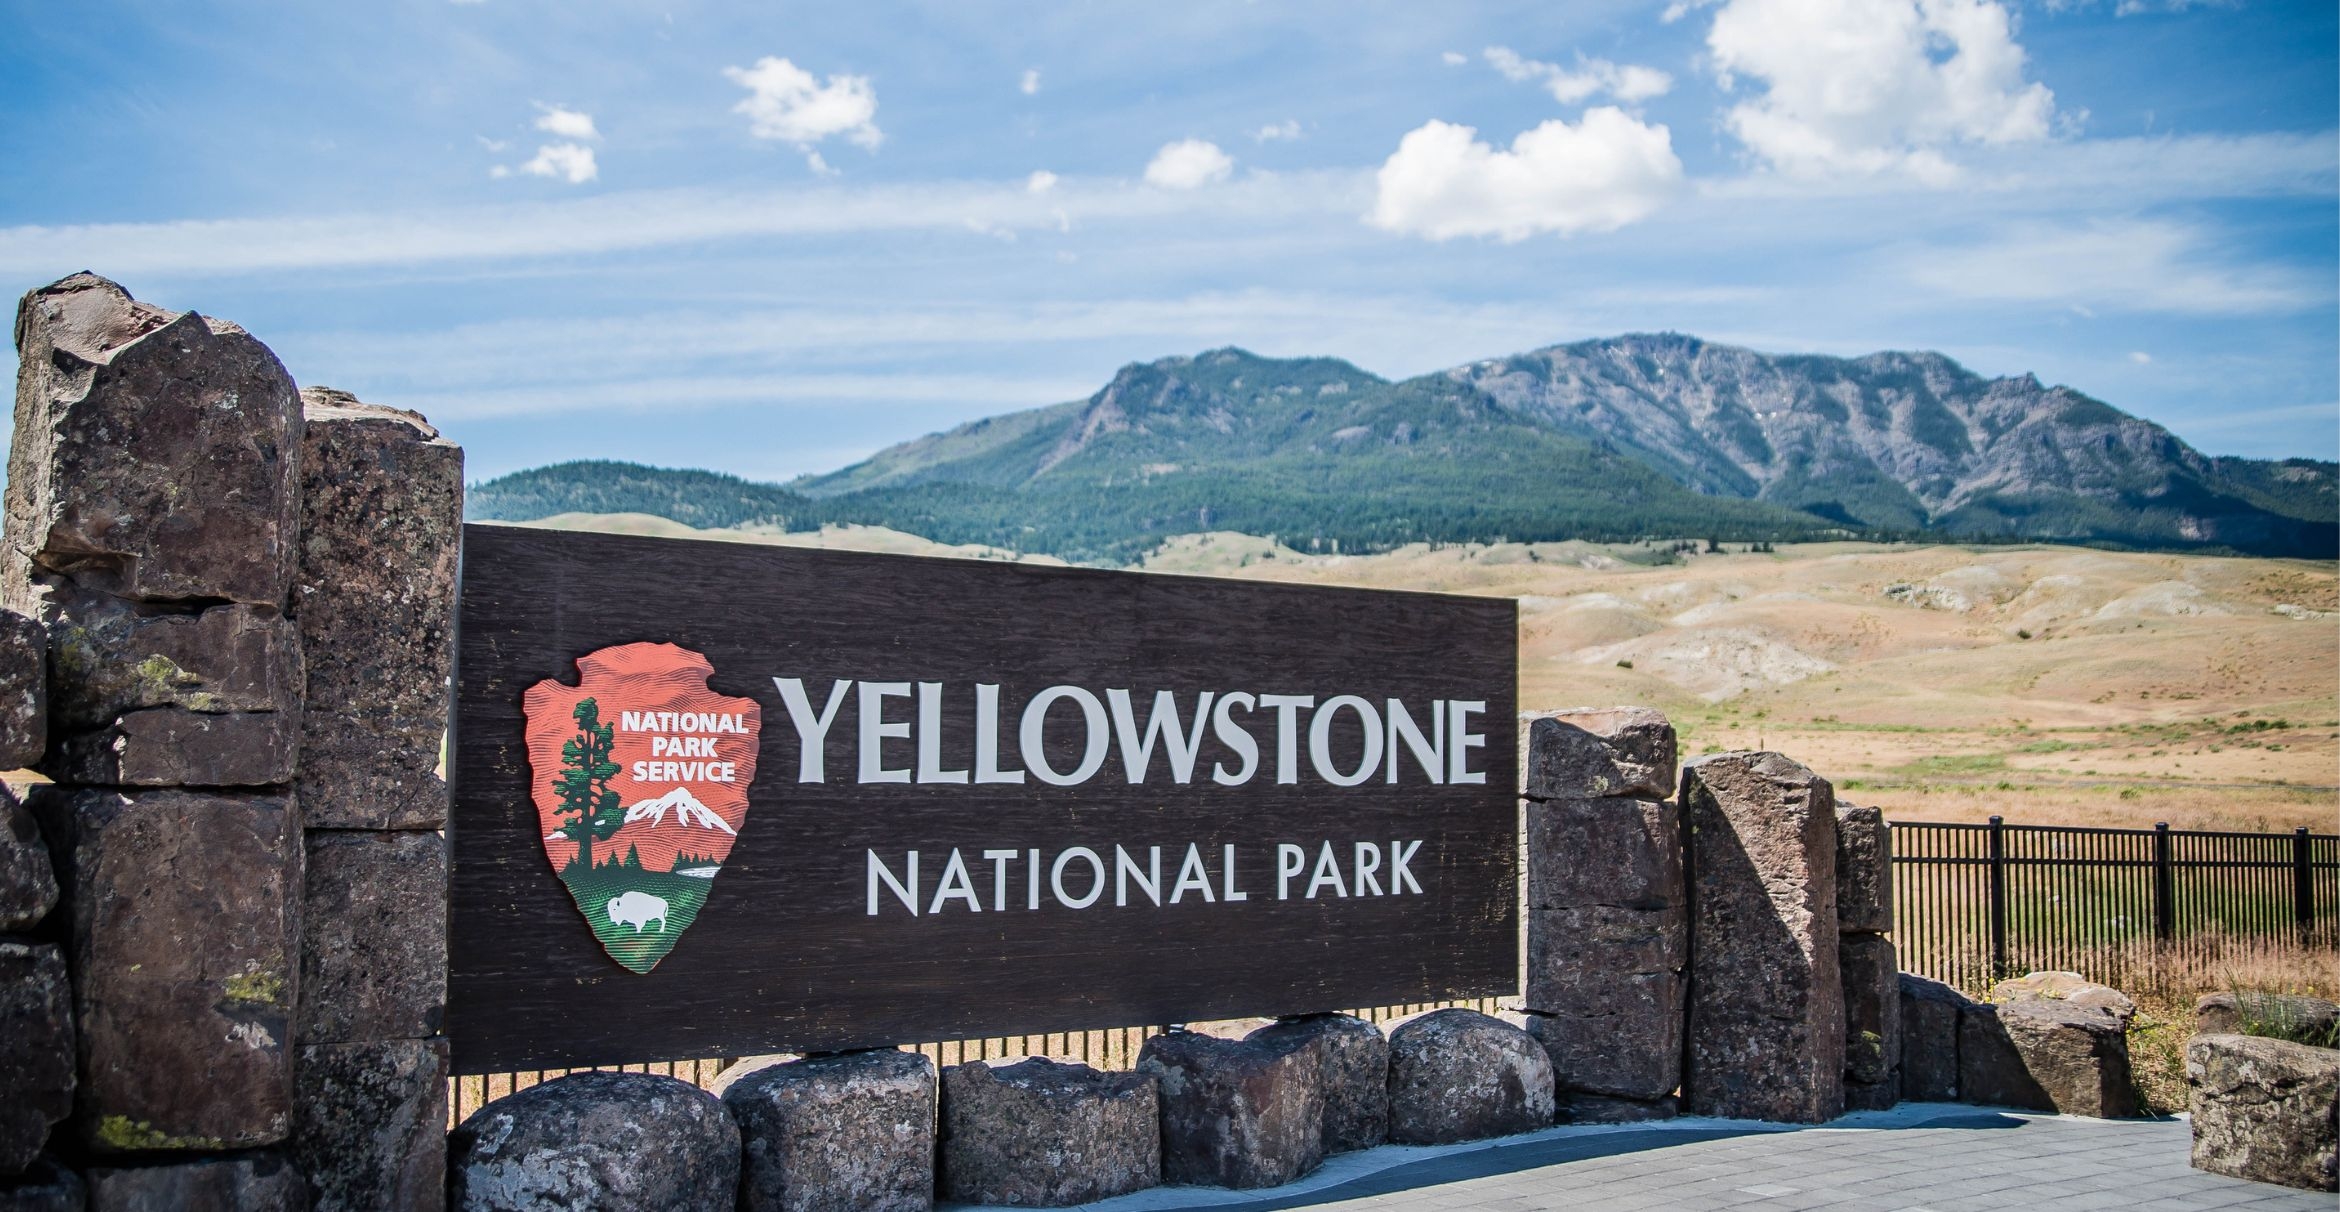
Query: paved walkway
point(1915, 1158)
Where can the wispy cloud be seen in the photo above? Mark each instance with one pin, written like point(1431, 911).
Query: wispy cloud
point(622, 221)
point(2114, 266)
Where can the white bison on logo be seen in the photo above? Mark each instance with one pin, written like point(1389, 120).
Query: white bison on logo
point(637, 909)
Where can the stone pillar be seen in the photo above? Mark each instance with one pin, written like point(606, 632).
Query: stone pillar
point(374, 600)
point(1607, 931)
point(1866, 958)
point(1766, 1008)
point(151, 522)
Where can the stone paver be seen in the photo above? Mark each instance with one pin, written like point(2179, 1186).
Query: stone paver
point(1930, 1157)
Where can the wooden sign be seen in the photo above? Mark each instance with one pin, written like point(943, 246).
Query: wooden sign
point(716, 799)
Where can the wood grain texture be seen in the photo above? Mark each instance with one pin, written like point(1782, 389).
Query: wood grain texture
point(785, 956)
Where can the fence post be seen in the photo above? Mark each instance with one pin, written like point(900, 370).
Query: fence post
point(2303, 884)
point(2164, 884)
point(1998, 869)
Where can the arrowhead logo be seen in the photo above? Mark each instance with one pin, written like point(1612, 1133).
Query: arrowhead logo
point(640, 777)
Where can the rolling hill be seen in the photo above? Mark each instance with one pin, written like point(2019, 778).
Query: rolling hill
point(1603, 440)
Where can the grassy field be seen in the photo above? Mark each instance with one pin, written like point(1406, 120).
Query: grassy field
point(2049, 685)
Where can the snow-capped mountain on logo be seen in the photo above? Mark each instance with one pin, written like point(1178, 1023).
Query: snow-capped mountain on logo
point(687, 811)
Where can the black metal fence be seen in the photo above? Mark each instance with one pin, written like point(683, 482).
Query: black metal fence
point(1973, 903)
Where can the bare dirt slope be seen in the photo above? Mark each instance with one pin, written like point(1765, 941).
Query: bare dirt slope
point(2047, 684)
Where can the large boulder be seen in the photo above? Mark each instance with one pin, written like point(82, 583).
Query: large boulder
point(1929, 1039)
point(2292, 1016)
point(2266, 1109)
point(837, 1133)
point(370, 1125)
point(47, 1186)
point(24, 691)
point(1872, 1009)
point(1237, 1113)
point(2046, 1055)
point(1593, 752)
point(183, 943)
point(2066, 987)
point(1639, 844)
point(615, 1142)
point(28, 883)
point(381, 527)
point(154, 452)
point(1766, 1004)
point(260, 1182)
point(1044, 1134)
point(1354, 1058)
point(373, 935)
point(36, 1049)
point(205, 697)
point(1864, 870)
point(1457, 1075)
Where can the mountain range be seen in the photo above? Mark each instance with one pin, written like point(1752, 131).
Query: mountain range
point(1644, 435)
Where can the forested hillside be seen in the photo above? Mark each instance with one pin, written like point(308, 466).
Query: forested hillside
point(1636, 436)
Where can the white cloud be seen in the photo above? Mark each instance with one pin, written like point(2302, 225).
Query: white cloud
point(1627, 83)
point(570, 162)
point(1189, 164)
point(1030, 84)
point(1040, 182)
point(564, 123)
point(2128, 265)
point(1289, 128)
point(1454, 58)
point(1870, 86)
point(2140, 357)
point(787, 104)
point(1606, 171)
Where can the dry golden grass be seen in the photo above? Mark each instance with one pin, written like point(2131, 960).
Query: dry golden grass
point(2165, 982)
point(2045, 684)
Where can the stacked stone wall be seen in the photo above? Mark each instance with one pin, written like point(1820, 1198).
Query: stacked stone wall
point(224, 652)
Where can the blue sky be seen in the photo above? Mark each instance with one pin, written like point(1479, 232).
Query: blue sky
point(773, 238)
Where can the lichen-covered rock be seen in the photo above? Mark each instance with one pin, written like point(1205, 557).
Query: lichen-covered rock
point(1354, 1056)
point(2046, 1055)
point(837, 1134)
point(1593, 752)
point(614, 1142)
point(2266, 1109)
point(1044, 1134)
point(2066, 987)
point(36, 1049)
point(1237, 1113)
point(209, 697)
point(370, 1125)
point(24, 691)
point(1457, 1075)
point(154, 452)
point(262, 1182)
point(28, 883)
point(373, 935)
point(1929, 1039)
point(1864, 871)
point(2292, 1016)
point(1872, 1009)
point(47, 1186)
point(1766, 1004)
point(184, 945)
point(381, 527)
point(1577, 1108)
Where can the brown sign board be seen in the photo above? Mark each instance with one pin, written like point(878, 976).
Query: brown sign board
point(721, 799)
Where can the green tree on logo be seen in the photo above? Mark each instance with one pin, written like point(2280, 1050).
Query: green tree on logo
point(583, 784)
